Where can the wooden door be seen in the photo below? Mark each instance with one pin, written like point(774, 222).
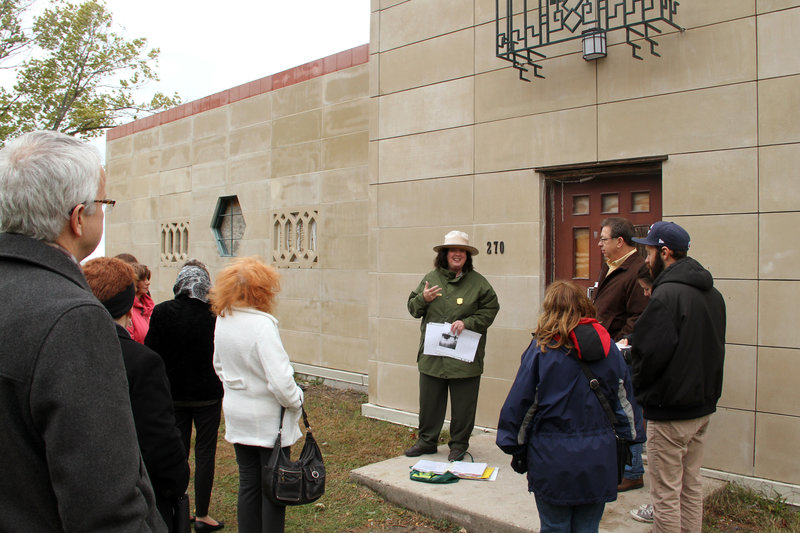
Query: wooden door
point(575, 210)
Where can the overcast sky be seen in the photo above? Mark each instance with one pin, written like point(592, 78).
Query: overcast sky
point(209, 46)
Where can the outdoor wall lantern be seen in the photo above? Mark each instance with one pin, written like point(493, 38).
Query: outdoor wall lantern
point(525, 27)
point(594, 44)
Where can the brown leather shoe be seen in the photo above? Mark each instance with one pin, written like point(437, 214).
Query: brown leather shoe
point(417, 450)
point(456, 454)
point(630, 484)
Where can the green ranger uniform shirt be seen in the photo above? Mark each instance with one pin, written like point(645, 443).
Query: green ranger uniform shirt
point(469, 298)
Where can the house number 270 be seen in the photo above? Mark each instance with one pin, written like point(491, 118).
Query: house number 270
point(495, 247)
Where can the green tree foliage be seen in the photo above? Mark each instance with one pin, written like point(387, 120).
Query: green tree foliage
point(80, 76)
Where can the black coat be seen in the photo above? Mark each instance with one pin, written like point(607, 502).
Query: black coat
point(182, 333)
point(679, 345)
point(154, 417)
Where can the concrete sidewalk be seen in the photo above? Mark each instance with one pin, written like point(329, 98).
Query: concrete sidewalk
point(502, 506)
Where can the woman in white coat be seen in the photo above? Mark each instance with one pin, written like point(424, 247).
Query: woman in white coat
point(258, 380)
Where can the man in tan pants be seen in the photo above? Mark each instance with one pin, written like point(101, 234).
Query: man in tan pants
point(678, 355)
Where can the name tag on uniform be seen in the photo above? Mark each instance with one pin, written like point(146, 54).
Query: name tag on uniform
point(459, 301)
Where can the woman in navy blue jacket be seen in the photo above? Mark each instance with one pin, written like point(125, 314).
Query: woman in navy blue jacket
point(553, 423)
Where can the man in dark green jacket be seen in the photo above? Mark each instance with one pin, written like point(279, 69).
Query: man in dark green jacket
point(452, 293)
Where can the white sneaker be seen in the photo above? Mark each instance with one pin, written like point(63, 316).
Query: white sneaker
point(643, 514)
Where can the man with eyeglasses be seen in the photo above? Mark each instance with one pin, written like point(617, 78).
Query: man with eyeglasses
point(619, 301)
point(68, 452)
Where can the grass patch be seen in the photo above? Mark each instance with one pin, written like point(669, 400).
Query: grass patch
point(738, 508)
point(348, 441)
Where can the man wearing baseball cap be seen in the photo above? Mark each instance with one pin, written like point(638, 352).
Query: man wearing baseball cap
point(678, 354)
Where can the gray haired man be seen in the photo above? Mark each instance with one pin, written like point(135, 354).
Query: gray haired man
point(69, 453)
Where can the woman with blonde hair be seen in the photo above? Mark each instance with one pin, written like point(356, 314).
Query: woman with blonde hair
point(553, 422)
point(258, 380)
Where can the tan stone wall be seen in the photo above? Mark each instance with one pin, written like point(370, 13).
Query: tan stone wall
point(455, 136)
point(303, 145)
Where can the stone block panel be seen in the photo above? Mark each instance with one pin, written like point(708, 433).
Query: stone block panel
point(344, 118)
point(438, 202)
point(296, 159)
point(392, 294)
point(250, 111)
point(778, 98)
point(345, 151)
point(731, 436)
point(299, 315)
point(428, 155)
point(246, 140)
point(776, 447)
point(519, 298)
point(778, 314)
point(777, 184)
point(711, 183)
point(739, 385)
point(343, 252)
point(344, 353)
point(396, 387)
point(297, 98)
point(345, 85)
point(209, 175)
point(255, 167)
point(302, 347)
point(546, 139)
point(344, 185)
point(346, 218)
point(504, 347)
point(175, 181)
point(778, 369)
point(398, 341)
point(709, 119)
point(297, 128)
point(119, 148)
point(209, 149)
point(740, 296)
point(508, 197)
point(424, 63)
point(344, 286)
point(295, 191)
point(411, 22)
point(211, 123)
point(778, 257)
point(718, 248)
point(433, 107)
point(345, 320)
point(775, 30)
point(300, 283)
point(178, 132)
point(410, 250)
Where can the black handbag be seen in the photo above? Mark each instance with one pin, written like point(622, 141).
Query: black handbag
point(624, 456)
point(287, 482)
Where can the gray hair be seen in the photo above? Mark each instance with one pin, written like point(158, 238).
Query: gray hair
point(43, 175)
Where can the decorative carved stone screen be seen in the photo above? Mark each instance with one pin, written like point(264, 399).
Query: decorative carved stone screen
point(294, 238)
point(174, 241)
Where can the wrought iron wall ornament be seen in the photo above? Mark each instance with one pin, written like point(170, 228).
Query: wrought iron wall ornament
point(522, 30)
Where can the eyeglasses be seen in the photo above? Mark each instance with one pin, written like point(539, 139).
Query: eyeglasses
point(604, 239)
point(105, 204)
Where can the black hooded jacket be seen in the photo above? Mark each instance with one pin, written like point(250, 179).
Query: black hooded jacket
point(679, 345)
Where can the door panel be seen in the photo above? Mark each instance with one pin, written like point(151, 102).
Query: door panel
point(575, 211)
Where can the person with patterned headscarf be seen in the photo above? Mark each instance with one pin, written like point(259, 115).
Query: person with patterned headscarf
point(182, 333)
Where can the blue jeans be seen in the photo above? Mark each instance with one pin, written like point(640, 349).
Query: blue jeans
point(569, 518)
point(635, 470)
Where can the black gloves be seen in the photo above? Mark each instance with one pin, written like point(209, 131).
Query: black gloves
point(519, 462)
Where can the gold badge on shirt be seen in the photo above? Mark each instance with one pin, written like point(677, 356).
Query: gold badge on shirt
point(459, 301)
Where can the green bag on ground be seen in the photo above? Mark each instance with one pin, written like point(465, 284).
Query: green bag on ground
point(430, 477)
